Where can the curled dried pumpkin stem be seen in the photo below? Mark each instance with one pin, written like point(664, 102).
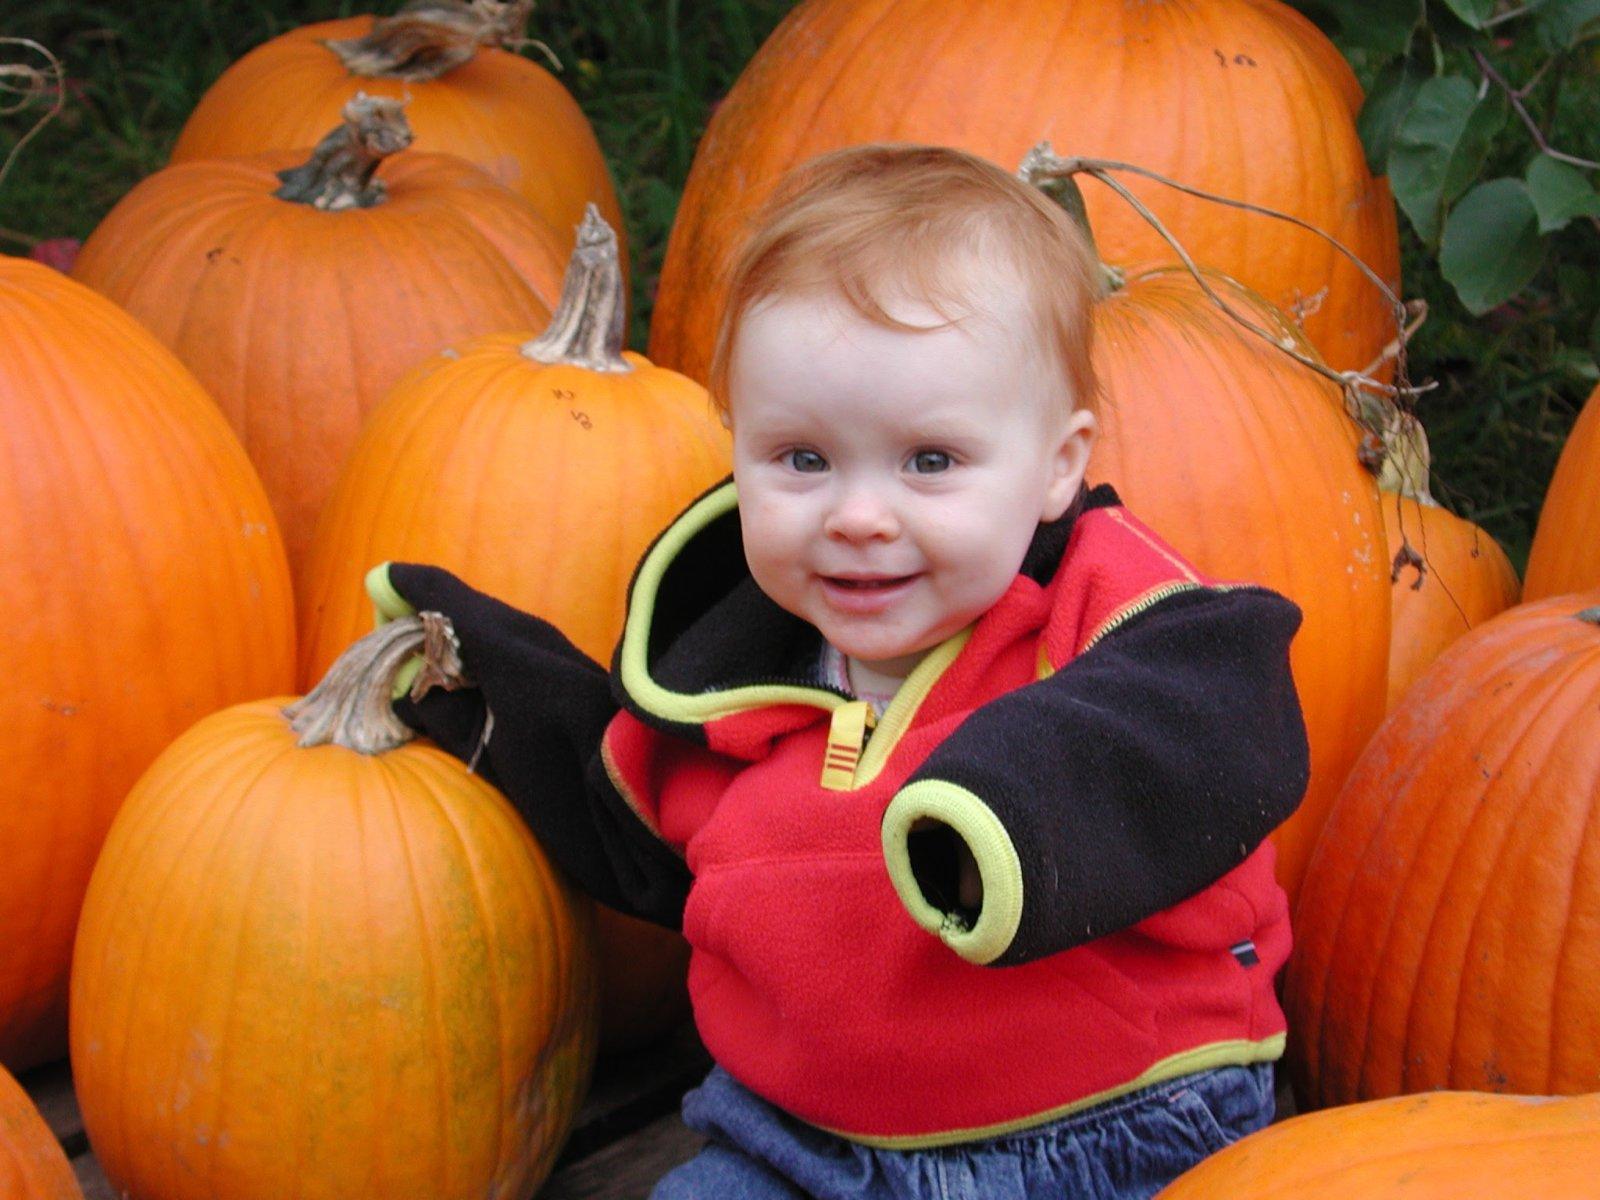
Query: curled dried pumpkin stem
point(350, 707)
point(1042, 164)
point(21, 84)
point(430, 38)
point(339, 173)
point(586, 328)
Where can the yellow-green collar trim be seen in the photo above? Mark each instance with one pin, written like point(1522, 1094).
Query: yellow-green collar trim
point(1240, 1052)
point(698, 708)
point(692, 708)
point(903, 708)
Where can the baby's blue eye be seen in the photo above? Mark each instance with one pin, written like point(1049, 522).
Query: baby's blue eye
point(930, 462)
point(808, 461)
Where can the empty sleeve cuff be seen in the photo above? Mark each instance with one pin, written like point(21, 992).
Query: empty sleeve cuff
point(978, 941)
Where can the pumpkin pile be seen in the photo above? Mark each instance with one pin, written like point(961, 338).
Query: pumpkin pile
point(299, 286)
point(374, 310)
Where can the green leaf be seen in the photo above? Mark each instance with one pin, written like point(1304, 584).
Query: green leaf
point(1387, 103)
point(1473, 12)
point(1438, 148)
point(1561, 23)
point(1560, 193)
point(1472, 151)
point(1382, 28)
point(1491, 246)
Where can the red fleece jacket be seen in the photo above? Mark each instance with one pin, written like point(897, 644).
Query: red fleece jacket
point(828, 979)
point(1113, 741)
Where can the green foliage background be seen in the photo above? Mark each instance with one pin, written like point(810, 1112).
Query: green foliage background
point(647, 72)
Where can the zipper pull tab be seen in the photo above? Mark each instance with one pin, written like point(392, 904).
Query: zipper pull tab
point(847, 734)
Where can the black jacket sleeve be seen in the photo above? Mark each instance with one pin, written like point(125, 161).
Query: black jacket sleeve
point(1136, 775)
point(532, 726)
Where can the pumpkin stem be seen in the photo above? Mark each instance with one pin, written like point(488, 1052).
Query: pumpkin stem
point(1590, 616)
point(350, 707)
point(429, 38)
point(586, 328)
point(1038, 169)
point(338, 174)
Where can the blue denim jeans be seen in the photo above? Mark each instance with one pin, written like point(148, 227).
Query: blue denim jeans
point(1129, 1147)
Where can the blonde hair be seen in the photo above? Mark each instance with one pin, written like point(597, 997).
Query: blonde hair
point(904, 219)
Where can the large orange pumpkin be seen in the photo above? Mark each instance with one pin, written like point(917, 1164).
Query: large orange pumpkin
point(1247, 462)
point(1240, 97)
point(32, 1165)
point(142, 586)
point(1566, 546)
point(298, 317)
point(539, 470)
point(315, 961)
point(1464, 579)
point(467, 96)
point(1445, 936)
point(1441, 1146)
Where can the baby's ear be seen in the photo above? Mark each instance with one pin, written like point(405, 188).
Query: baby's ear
point(1070, 462)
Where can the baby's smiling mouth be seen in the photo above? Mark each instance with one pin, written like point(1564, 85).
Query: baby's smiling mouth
point(868, 584)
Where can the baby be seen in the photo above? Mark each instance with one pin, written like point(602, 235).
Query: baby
point(954, 775)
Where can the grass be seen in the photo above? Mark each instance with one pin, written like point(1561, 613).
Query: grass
point(647, 73)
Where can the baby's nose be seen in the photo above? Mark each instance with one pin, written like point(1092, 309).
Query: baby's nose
point(860, 514)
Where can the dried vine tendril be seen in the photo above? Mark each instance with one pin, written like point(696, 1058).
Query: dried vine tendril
point(22, 84)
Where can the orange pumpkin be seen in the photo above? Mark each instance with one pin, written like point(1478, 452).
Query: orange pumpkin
point(32, 1165)
point(316, 961)
point(539, 470)
point(142, 586)
point(1566, 545)
point(1445, 936)
point(1265, 104)
point(1440, 1146)
point(1247, 463)
point(1465, 579)
point(492, 107)
point(298, 314)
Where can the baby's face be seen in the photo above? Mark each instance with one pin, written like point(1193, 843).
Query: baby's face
point(890, 482)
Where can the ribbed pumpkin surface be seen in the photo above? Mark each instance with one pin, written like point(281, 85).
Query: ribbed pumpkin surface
point(298, 320)
point(1246, 462)
point(542, 485)
point(315, 973)
point(500, 111)
point(32, 1165)
point(142, 586)
point(1240, 97)
point(1441, 1146)
point(1566, 546)
point(1446, 934)
point(1468, 580)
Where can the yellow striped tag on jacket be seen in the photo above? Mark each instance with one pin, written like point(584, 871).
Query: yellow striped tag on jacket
point(847, 734)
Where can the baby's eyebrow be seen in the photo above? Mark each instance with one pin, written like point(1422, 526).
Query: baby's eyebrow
point(951, 431)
